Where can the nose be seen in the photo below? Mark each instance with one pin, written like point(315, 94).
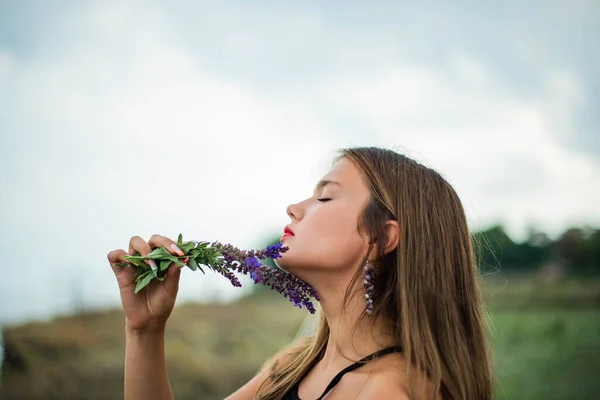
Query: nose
point(294, 212)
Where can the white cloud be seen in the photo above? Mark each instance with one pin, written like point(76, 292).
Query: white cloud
point(122, 128)
point(145, 143)
point(500, 150)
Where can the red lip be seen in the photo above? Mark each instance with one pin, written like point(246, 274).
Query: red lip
point(287, 232)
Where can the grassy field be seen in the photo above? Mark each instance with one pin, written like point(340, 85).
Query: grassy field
point(546, 340)
point(548, 354)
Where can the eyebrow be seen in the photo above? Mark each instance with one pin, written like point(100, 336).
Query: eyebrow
point(324, 183)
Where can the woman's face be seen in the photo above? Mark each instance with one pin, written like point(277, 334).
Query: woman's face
point(325, 226)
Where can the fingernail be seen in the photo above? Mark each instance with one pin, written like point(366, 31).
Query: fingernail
point(152, 263)
point(177, 249)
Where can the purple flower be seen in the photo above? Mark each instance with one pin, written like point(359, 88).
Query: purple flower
point(246, 262)
point(257, 276)
point(273, 251)
point(252, 262)
point(232, 278)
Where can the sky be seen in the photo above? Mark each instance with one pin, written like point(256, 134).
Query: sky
point(122, 118)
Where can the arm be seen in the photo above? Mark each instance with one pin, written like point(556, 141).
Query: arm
point(146, 315)
point(146, 372)
point(145, 365)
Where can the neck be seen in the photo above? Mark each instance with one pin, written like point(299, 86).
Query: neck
point(351, 336)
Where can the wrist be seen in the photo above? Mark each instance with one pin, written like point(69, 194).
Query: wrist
point(157, 329)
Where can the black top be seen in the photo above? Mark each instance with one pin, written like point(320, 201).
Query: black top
point(293, 393)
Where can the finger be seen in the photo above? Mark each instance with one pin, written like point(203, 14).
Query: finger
point(115, 257)
point(171, 281)
point(137, 244)
point(163, 241)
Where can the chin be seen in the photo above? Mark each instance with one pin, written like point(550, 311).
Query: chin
point(291, 264)
point(287, 262)
point(281, 262)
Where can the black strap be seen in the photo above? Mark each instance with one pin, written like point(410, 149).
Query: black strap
point(358, 364)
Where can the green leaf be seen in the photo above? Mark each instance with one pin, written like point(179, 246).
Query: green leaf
point(179, 239)
point(187, 247)
point(143, 282)
point(164, 264)
point(192, 264)
point(160, 252)
point(135, 260)
point(195, 253)
point(175, 260)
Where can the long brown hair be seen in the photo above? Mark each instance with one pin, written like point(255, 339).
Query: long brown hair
point(427, 289)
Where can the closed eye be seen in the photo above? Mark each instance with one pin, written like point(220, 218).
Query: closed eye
point(324, 199)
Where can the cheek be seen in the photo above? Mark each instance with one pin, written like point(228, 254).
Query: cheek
point(335, 234)
point(342, 220)
point(336, 227)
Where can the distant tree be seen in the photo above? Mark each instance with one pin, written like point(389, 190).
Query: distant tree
point(494, 248)
point(537, 238)
point(594, 250)
point(497, 251)
point(580, 249)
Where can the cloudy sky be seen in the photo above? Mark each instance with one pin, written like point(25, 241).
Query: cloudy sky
point(130, 118)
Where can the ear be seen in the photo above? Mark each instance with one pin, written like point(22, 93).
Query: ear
point(392, 233)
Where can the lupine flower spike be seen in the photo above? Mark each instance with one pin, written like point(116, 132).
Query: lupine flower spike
point(226, 260)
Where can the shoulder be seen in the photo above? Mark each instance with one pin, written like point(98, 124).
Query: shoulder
point(389, 380)
point(384, 386)
point(384, 379)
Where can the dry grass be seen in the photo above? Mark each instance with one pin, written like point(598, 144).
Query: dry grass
point(214, 349)
point(210, 350)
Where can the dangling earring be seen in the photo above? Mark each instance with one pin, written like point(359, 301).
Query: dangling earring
point(368, 283)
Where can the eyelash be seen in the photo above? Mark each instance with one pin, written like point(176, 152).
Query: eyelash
point(324, 199)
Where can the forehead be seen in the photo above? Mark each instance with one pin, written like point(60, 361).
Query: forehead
point(347, 174)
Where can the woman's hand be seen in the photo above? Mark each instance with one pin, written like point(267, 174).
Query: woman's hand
point(151, 307)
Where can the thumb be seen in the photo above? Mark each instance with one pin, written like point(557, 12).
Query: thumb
point(172, 279)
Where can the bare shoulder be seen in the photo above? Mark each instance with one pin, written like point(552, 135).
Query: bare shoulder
point(389, 380)
point(386, 386)
point(384, 392)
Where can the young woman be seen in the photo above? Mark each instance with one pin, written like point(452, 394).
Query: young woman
point(384, 241)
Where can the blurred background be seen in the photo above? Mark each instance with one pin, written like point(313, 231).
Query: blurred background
point(122, 118)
